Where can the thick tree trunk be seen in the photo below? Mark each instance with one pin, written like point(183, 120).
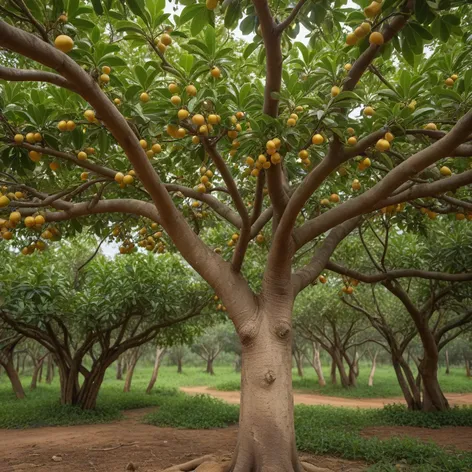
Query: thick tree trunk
point(88, 395)
point(299, 363)
point(69, 380)
point(266, 437)
point(209, 368)
point(407, 382)
point(318, 367)
point(155, 371)
point(34, 380)
point(433, 398)
point(345, 379)
point(334, 380)
point(447, 362)
point(119, 369)
point(50, 370)
point(15, 381)
point(17, 368)
point(372, 369)
point(179, 365)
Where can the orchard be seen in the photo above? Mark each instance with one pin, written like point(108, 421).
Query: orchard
point(275, 147)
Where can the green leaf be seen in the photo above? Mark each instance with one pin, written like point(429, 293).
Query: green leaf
point(198, 23)
point(232, 14)
point(210, 39)
point(97, 6)
point(137, 7)
point(250, 48)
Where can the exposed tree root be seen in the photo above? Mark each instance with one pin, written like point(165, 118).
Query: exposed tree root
point(211, 463)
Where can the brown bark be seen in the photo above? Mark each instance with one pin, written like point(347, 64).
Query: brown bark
point(12, 374)
point(316, 363)
point(467, 369)
point(237, 363)
point(179, 365)
point(447, 362)
point(334, 380)
point(130, 366)
point(433, 398)
point(36, 369)
point(155, 372)
point(372, 370)
point(40, 376)
point(299, 362)
point(209, 367)
point(50, 370)
point(119, 369)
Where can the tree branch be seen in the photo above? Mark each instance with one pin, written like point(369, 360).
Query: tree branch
point(284, 24)
point(25, 75)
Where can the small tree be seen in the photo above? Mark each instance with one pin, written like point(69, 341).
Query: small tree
point(210, 345)
point(8, 342)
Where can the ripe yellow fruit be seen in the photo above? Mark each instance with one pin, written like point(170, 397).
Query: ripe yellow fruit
point(213, 119)
point(347, 67)
point(29, 222)
point(203, 130)
point(303, 154)
point(291, 122)
point(255, 172)
point(215, 72)
point(431, 126)
point(195, 139)
point(322, 279)
point(352, 141)
point(19, 195)
point(119, 177)
point(389, 137)
point(325, 202)
point(334, 197)
point(299, 109)
point(373, 9)
point(176, 100)
point(260, 238)
point(37, 137)
point(105, 78)
point(7, 235)
point(63, 18)
point(294, 116)
point(64, 43)
point(454, 77)
point(4, 201)
point(191, 90)
point(335, 91)
point(19, 138)
point(150, 153)
point(15, 217)
point(39, 220)
point(62, 125)
point(82, 156)
point(366, 163)
point(351, 39)
point(445, 171)
point(90, 150)
point(182, 114)
point(181, 132)
point(275, 159)
point(376, 38)
point(84, 176)
point(143, 143)
point(271, 145)
point(173, 87)
point(368, 111)
point(166, 39)
point(356, 185)
point(156, 148)
point(262, 158)
point(367, 27)
point(235, 143)
point(211, 4)
point(144, 97)
point(117, 101)
point(201, 188)
point(382, 145)
point(198, 120)
point(317, 139)
point(89, 115)
point(351, 131)
point(460, 216)
point(359, 32)
point(232, 134)
point(277, 143)
point(128, 179)
point(162, 47)
point(30, 138)
point(70, 125)
point(106, 69)
point(449, 82)
point(54, 166)
point(249, 161)
point(46, 234)
point(34, 156)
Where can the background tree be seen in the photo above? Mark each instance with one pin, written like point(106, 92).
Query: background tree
point(301, 111)
point(8, 342)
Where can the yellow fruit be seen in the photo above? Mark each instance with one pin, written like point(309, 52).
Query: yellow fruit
point(191, 90)
point(366, 163)
point(119, 177)
point(335, 91)
point(213, 119)
point(255, 172)
point(215, 72)
point(382, 145)
point(173, 88)
point(351, 39)
point(376, 38)
point(449, 82)
point(277, 142)
point(39, 220)
point(275, 159)
point(203, 130)
point(15, 217)
point(235, 237)
point(352, 141)
point(82, 156)
point(209, 173)
point(325, 202)
point(389, 137)
point(359, 32)
point(303, 154)
point(150, 153)
point(294, 116)
point(347, 67)
point(431, 126)
point(63, 18)
point(373, 9)
point(144, 97)
point(181, 132)
point(249, 161)
point(317, 139)
point(30, 138)
point(37, 137)
point(262, 158)
point(198, 120)
point(105, 78)
point(54, 166)
point(322, 279)
point(34, 156)
point(195, 139)
point(182, 114)
point(291, 122)
point(445, 171)
point(260, 238)
point(106, 69)
point(156, 148)
point(235, 143)
point(128, 179)
point(356, 185)
point(117, 101)
point(162, 47)
point(46, 234)
point(64, 43)
point(368, 111)
point(143, 143)
point(166, 39)
point(460, 216)
point(19, 138)
point(454, 77)
point(211, 4)
point(201, 188)
point(62, 125)
point(29, 222)
point(232, 134)
point(89, 115)
point(176, 100)
point(299, 109)
point(334, 197)
point(70, 125)
point(84, 176)
point(351, 131)
point(19, 195)
point(7, 235)
point(366, 27)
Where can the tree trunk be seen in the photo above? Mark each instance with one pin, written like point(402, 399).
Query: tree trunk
point(12, 374)
point(155, 371)
point(467, 369)
point(299, 362)
point(209, 368)
point(372, 369)
point(50, 370)
point(17, 363)
point(345, 379)
point(237, 363)
point(433, 398)
point(447, 362)
point(119, 369)
point(318, 367)
point(333, 372)
point(36, 369)
point(130, 366)
point(179, 365)
point(406, 380)
point(40, 376)
point(266, 436)
point(69, 380)
point(23, 362)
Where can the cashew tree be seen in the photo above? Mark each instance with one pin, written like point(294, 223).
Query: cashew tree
point(284, 123)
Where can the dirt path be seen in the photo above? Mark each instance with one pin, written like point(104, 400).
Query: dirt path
point(149, 448)
point(302, 398)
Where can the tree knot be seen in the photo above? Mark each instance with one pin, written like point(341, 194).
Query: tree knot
point(269, 377)
point(282, 330)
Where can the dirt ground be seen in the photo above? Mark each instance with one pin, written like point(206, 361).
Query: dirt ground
point(312, 399)
point(149, 449)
